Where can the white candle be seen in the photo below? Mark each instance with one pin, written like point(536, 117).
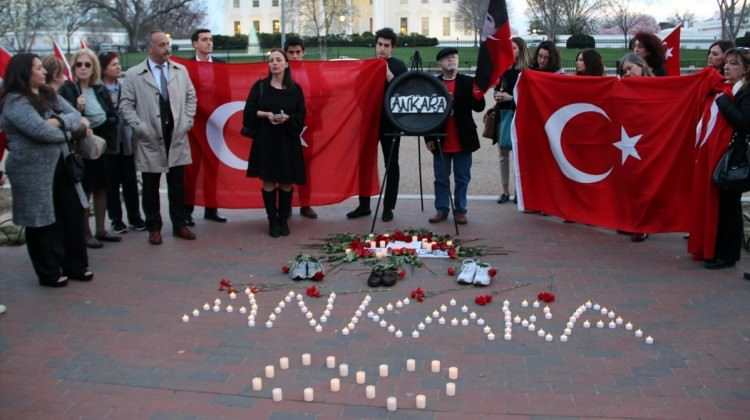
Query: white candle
point(600, 324)
point(487, 329)
point(525, 323)
point(308, 394)
point(196, 312)
point(331, 362)
point(443, 308)
point(414, 238)
point(269, 324)
point(452, 302)
point(345, 331)
point(206, 307)
point(564, 338)
point(536, 304)
point(185, 318)
point(335, 385)
point(421, 402)
point(216, 308)
point(389, 307)
point(549, 338)
point(277, 394)
point(480, 321)
point(284, 363)
point(586, 324)
point(415, 334)
point(383, 371)
point(612, 324)
point(454, 322)
point(306, 359)
point(370, 392)
point(619, 321)
point(435, 366)
point(318, 328)
point(391, 404)
point(639, 333)
point(465, 322)
point(411, 365)
point(343, 369)
point(491, 336)
point(360, 377)
point(441, 321)
point(464, 309)
point(548, 315)
point(383, 323)
point(270, 372)
point(391, 328)
point(257, 384)
point(649, 340)
point(517, 319)
point(428, 320)
point(450, 389)
point(453, 373)
point(217, 302)
point(532, 318)
point(508, 337)
point(629, 326)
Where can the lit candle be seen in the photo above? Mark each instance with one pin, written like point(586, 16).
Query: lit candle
point(639, 333)
point(370, 392)
point(532, 318)
point(243, 310)
point(185, 318)
point(270, 372)
point(414, 238)
point(361, 377)
point(491, 336)
point(257, 384)
point(383, 371)
point(343, 369)
point(277, 394)
point(480, 322)
point(435, 366)
point(649, 340)
point(331, 362)
point(548, 315)
point(619, 321)
point(453, 373)
point(382, 244)
point(284, 363)
point(233, 296)
point(600, 324)
point(465, 322)
point(450, 389)
point(217, 302)
point(454, 322)
point(391, 404)
point(612, 324)
point(411, 365)
point(586, 324)
point(196, 312)
point(465, 309)
point(564, 338)
point(269, 324)
point(421, 402)
point(400, 334)
point(206, 307)
point(441, 321)
point(335, 385)
point(308, 394)
point(391, 328)
point(389, 307)
point(216, 308)
point(487, 329)
point(629, 326)
point(508, 337)
point(549, 338)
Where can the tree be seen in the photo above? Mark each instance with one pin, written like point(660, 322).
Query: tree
point(580, 16)
point(549, 14)
point(622, 18)
point(471, 14)
point(732, 14)
point(21, 21)
point(181, 22)
point(72, 16)
point(322, 15)
point(137, 17)
point(685, 18)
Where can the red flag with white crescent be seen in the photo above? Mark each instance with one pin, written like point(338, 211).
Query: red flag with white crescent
point(672, 49)
point(84, 44)
point(58, 52)
point(495, 51)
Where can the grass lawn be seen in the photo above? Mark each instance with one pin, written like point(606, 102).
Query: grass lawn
point(468, 56)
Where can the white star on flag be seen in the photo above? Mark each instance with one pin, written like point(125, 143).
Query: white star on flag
point(627, 146)
point(669, 53)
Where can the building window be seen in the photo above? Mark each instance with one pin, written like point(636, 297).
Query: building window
point(446, 26)
point(236, 4)
point(256, 3)
point(404, 1)
point(237, 27)
point(426, 26)
point(256, 26)
point(276, 26)
point(275, 3)
point(425, 1)
point(371, 25)
point(404, 28)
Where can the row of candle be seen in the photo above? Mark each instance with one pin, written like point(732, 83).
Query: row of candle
point(357, 314)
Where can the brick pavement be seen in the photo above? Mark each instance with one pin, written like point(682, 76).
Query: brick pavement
point(116, 348)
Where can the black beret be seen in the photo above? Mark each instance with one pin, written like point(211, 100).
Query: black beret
point(445, 52)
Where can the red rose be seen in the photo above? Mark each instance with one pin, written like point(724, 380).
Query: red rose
point(313, 291)
point(254, 290)
point(402, 274)
point(492, 272)
point(452, 253)
point(480, 300)
point(318, 276)
point(285, 269)
point(488, 298)
point(451, 271)
point(546, 297)
point(224, 284)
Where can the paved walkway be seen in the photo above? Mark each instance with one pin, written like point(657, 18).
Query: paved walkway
point(116, 348)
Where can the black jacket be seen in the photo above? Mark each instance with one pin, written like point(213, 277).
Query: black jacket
point(398, 68)
point(737, 113)
point(506, 84)
point(463, 104)
point(108, 131)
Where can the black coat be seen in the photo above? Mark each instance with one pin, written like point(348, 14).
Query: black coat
point(737, 113)
point(108, 131)
point(463, 104)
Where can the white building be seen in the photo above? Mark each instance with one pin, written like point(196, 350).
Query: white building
point(433, 18)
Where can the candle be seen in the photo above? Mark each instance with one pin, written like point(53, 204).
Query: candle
point(596, 307)
point(370, 392)
point(465, 309)
point(480, 321)
point(389, 307)
point(335, 385)
point(331, 362)
point(216, 308)
point(549, 338)
point(532, 318)
point(487, 329)
point(343, 369)
point(217, 302)
point(243, 310)
point(233, 296)
point(491, 336)
point(548, 315)
point(421, 326)
point(383, 323)
point(619, 321)
point(196, 312)
point(564, 338)
point(629, 326)
point(473, 315)
point(391, 328)
point(517, 319)
point(277, 394)
point(465, 322)
point(318, 328)
point(421, 402)
point(443, 308)
point(308, 394)
point(323, 319)
point(649, 340)
point(639, 333)
point(604, 311)
point(508, 337)
point(257, 384)
point(360, 377)
point(532, 327)
point(313, 322)
point(612, 324)
point(414, 238)
point(453, 373)
point(391, 404)
point(600, 324)
point(454, 322)
point(399, 334)
point(206, 307)
point(271, 317)
point(525, 323)
point(270, 372)
point(269, 324)
point(450, 389)
point(586, 324)
point(284, 363)
point(381, 311)
point(185, 318)
point(345, 331)
point(383, 371)
point(411, 365)
point(540, 333)
point(453, 302)
point(435, 366)
point(428, 320)
point(536, 304)
point(373, 244)
point(441, 321)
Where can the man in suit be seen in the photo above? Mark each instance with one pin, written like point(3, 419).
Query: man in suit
point(159, 103)
point(203, 43)
point(385, 43)
point(460, 140)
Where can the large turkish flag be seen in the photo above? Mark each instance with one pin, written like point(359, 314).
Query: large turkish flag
point(344, 100)
point(613, 153)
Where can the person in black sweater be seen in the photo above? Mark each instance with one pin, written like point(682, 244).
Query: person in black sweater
point(274, 117)
point(650, 48)
point(385, 42)
point(730, 233)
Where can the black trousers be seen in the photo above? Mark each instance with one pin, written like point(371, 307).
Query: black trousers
point(394, 173)
point(122, 174)
point(60, 248)
point(730, 233)
point(175, 193)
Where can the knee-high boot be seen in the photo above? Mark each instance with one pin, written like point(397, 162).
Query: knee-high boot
point(269, 199)
point(285, 209)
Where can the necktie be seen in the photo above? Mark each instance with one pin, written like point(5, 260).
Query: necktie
point(163, 82)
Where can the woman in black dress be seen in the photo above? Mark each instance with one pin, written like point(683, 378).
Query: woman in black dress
point(274, 117)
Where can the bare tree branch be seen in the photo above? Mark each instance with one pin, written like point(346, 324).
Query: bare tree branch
point(732, 14)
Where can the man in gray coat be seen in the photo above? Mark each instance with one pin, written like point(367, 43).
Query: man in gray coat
point(159, 103)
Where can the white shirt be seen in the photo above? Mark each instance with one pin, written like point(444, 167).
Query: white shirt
point(156, 71)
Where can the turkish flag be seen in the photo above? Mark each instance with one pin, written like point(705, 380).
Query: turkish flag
point(84, 44)
point(343, 99)
point(495, 51)
point(58, 52)
point(672, 48)
point(4, 60)
point(608, 152)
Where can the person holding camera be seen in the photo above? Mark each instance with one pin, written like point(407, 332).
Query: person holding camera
point(274, 117)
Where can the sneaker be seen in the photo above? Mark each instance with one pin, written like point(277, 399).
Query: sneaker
point(468, 271)
point(119, 227)
point(313, 268)
point(482, 276)
point(139, 226)
point(298, 271)
point(504, 198)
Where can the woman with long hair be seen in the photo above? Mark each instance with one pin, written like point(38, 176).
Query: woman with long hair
point(716, 56)
point(274, 117)
point(546, 58)
point(505, 108)
point(55, 72)
point(651, 49)
point(89, 96)
point(589, 63)
point(45, 197)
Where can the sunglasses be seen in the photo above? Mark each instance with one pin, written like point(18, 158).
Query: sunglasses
point(79, 65)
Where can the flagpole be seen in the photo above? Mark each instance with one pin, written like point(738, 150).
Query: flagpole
point(282, 20)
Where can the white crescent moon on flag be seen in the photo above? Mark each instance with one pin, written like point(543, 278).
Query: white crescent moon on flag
point(554, 128)
point(714, 116)
point(215, 134)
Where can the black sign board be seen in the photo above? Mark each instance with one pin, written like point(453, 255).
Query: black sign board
point(417, 103)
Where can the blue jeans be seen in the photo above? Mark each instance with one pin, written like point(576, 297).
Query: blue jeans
point(461, 164)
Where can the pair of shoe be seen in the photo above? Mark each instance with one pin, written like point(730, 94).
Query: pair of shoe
point(717, 264)
point(474, 272)
point(360, 211)
point(383, 278)
point(305, 268)
point(308, 212)
point(213, 215)
point(60, 281)
point(504, 198)
point(441, 216)
point(119, 227)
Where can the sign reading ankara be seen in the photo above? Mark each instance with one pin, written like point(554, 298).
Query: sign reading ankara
point(417, 103)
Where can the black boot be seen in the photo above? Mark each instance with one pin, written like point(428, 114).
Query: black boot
point(269, 199)
point(362, 210)
point(285, 209)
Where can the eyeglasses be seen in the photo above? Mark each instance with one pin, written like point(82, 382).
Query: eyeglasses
point(80, 64)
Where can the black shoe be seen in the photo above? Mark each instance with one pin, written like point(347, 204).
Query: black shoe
point(504, 198)
point(359, 212)
point(387, 215)
point(389, 278)
point(638, 237)
point(717, 264)
point(375, 279)
point(283, 227)
point(213, 215)
point(189, 221)
point(274, 230)
point(119, 227)
point(746, 276)
point(308, 212)
point(86, 276)
point(138, 225)
point(61, 281)
point(285, 210)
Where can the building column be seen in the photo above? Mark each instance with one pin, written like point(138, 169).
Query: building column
point(378, 14)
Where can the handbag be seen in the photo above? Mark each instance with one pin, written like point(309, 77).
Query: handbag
point(733, 172)
point(506, 120)
point(490, 124)
point(91, 147)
